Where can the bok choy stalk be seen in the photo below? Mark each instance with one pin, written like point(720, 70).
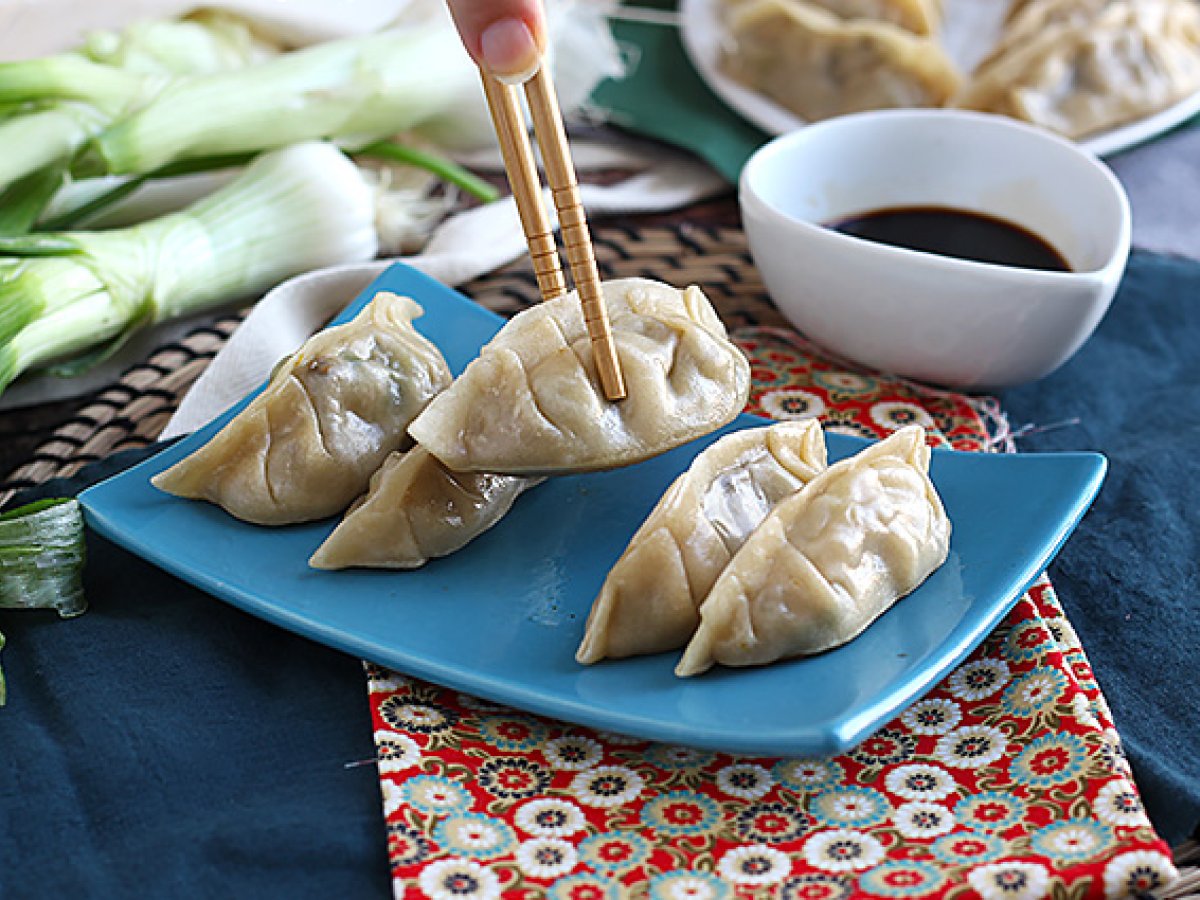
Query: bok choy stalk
point(355, 90)
point(41, 560)
point(60, 102)
point(292, 210)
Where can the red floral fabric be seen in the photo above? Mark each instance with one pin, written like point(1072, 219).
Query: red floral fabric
point(1007, 781)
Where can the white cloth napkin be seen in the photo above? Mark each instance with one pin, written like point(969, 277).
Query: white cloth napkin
point(466, 246)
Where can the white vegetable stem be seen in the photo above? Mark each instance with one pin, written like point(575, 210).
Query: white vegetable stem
point(292, 210)
point(76, 95)
point(356, 90)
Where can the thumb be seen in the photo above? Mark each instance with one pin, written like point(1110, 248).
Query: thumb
point(506, 38)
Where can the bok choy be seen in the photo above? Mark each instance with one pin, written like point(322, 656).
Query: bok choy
point(291, 210)
point(41, 560)
point(355, 90)
point(58, 103)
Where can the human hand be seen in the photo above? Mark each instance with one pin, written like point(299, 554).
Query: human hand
point(505, 37)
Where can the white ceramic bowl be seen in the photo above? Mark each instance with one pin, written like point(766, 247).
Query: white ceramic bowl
point(938, 319)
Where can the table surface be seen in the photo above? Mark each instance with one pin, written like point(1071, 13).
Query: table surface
point(267, 733)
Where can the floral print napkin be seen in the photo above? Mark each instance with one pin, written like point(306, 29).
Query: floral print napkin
point(1006, 781)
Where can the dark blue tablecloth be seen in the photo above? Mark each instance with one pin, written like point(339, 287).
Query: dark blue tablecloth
point(1129, 577)
point(166, 744)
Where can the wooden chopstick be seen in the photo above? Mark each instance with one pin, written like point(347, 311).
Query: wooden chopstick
point(564, 188)
point(517, 152)
point(504, 103)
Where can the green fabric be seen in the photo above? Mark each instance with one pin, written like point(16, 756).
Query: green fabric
point(662, 97)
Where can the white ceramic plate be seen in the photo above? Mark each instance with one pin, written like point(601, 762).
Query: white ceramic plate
point(970, 30)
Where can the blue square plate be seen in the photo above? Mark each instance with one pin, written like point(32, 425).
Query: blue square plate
point(501, 618)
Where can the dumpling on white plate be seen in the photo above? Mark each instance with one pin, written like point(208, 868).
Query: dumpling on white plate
point(649, 600)
point(817, 65)
point(1026, 21)
point(1080, 77)
point(307, 446)
point(416, 510)
point(530, 404)
point(917, 16)
point(827, 561)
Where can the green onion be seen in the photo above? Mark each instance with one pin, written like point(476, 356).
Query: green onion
point(69, 77)
point(443, 168)
point(60, 102)
point(45, 138)
point(42, 553)
point(24, 200)
point(292, 210)
point(357, 90)
point(41, 557)
point(206, 41)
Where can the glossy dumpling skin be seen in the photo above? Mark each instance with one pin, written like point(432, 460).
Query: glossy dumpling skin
point(531, 403)
point(307, 446)
point(827, 561)
point(818, 66)
point(415, 510)
point(649, 600)
point(1081, 75)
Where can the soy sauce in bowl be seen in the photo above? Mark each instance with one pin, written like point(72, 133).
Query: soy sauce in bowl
point(956, 233)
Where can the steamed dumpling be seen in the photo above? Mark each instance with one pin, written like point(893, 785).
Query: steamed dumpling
point(1030, 19)
point(649, 600)
point(415, 510)
point(917, 16)
point(818, 65)
point(307, 446)
point(1084, 75)
point(827, 561)
point(531, 404)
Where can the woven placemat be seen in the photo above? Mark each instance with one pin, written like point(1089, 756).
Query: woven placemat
point(134, 411)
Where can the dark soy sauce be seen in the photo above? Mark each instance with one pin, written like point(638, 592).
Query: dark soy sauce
point(958, 233)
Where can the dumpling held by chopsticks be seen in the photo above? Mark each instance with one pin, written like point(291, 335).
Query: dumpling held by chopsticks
point(531, 404)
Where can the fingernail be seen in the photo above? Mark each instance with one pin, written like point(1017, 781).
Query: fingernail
point(509, 51)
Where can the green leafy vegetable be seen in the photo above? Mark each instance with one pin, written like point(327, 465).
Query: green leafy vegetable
point(54, 105)
point(356, 89)
point(42, 553)
point(292, 210)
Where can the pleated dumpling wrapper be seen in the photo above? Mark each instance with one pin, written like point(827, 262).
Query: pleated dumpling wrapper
point(415, 510)
point(530, 404)
point(307, 446)
point(650, 598)
point(917, 16)
point(818, 65)
point(1080, 75)
point(827, 561)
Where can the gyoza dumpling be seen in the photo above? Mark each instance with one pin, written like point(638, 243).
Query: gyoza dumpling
point(531, 404)
point(1030, 19)
point(308, 444)
point(917, 16)
point(649, 600)
point(415, 510)
point(818, 65)
point(827, 561)
point(1133, 58)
